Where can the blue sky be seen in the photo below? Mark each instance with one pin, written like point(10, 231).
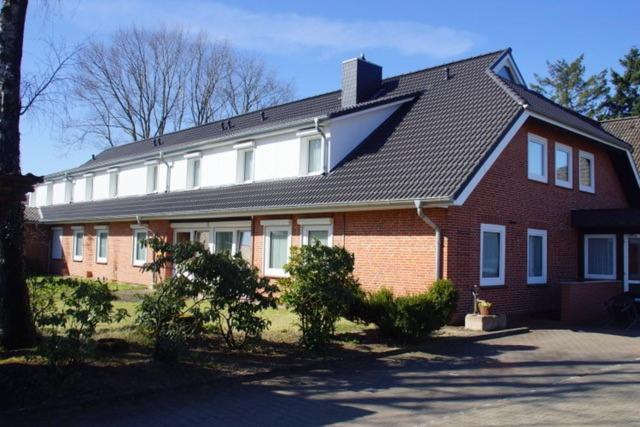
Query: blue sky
point(306, 41)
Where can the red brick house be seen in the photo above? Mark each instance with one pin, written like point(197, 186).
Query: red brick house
point(456, 171)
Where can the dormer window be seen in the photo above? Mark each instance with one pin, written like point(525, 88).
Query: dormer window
point(152, 177)
point(113, 182)
point(49, 193)
point(88, 187)
point(245, 164)
point(68, 190)
point(314, 157)
point(193, 170)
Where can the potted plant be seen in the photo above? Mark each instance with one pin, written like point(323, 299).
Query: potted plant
point(484, 307)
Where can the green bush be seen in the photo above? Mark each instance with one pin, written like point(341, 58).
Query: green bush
point(321, 288)
point(67, 311)
point(219, 289)
point(409, 318)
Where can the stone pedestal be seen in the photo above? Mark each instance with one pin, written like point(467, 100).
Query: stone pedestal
point(478, 322)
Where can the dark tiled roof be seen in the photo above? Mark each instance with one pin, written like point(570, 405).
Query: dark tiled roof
point(606, 218)
point(428, 149)
point(627, 129)
point(543, 106)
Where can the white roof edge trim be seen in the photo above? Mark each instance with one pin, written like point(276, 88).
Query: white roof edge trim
point(434, 202)
point(507, 60)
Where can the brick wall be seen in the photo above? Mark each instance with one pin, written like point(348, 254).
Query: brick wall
point(507, 197)
point(583, 302)
point(119, 265)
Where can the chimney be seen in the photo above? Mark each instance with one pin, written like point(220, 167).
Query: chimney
point(360, 80)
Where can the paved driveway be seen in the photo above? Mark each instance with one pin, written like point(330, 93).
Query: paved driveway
point(557, 377)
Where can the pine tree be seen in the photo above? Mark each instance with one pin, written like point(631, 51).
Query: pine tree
point(626, 98)
point(567, 85)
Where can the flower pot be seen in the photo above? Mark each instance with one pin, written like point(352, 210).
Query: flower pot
point(484, 310)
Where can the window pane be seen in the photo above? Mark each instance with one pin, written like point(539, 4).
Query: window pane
point(321, 236)
point(634, 258)
point(490, 254)
point(102, 245)
point(278, 248)
point(224, 241)
point(56, 247)
point(196, 173)
point(562, 165)
point(585, 172)
point(600, 255)
point(536, 158)
point(78, 247)
point(315, 155)
point(183, 236)
point(248, 166)
point(201, 236)
point(141, 251)
point(244, 244)
point(535, 256)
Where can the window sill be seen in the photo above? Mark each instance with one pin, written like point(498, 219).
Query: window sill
point(139, 264)
point(77, 260)
point(566, 186)
point(102, 262)
point(587, 191)
point(539, 179)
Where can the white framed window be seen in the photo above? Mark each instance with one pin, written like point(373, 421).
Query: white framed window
point(114, 179)
point(492, 254)
point(56, 243)
point(586, 172)
point(247, 165)
point(139, 250)
point(152, 178)
point(316, 229)
point(88, 187)
point(102, 247)
point(68, 190)
point(78, 243)
point(537, 158)
point(312, 153)
point(244, 244)
point(193, 173)
point(600, 256)
point(233, 240)
point(277, 243)
point(49, 193)
point(536, 256)
point(563, 166)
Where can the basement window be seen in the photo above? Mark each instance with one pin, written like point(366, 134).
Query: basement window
point(492, 253)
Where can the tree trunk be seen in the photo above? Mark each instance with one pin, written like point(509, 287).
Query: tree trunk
point(17, 324)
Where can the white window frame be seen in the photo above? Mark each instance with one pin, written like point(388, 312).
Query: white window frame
point(114, 184)
point(612, 276)
point(241, 165)
point(305, 138)
point(54, 231)
point(153, 177)
point(535, 139)
point(49, 200)
point(88, 187)
point(315, 224)
point(101, 229)
point(592, 162)
point(569, 151)
point(191, 176)
point(76, 231)
point(68, 190)
point(214, 227)
point(493, 228)
point(537, 280)
point(136, 230)
point(271, 226)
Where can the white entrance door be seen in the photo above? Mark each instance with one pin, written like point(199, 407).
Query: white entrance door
point(631, 260)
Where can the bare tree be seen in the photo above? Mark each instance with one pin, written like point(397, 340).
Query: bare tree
point(251, 86)
point(145, 83)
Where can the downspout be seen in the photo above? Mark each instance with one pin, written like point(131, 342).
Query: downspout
point(167, 186)
point(438, 233)
point(325, 154)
